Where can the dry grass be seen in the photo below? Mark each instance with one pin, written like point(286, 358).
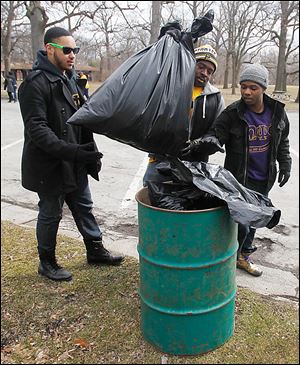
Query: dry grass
point(95, 319)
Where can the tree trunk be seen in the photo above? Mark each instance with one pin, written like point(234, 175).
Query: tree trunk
point(38, 20)
point(6, 39)
point(155, 21)
point(281, 63)
point(101, 69)
point(226, 74)
point(233, 74)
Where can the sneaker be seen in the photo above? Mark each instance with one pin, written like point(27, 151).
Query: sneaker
point(244, 262)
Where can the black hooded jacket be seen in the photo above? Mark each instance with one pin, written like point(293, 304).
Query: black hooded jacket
point(231, 129)
point(47, 100)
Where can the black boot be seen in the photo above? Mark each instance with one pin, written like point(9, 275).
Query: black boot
point(97, 254)
point(49, 267)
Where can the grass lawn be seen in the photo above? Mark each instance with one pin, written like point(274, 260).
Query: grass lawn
point(95, 319)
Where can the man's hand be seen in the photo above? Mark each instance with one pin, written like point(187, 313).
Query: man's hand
point(86, 153)
point(202, 25)
point(175, 34)
point(172, 28)
point(208, 145)
point(283, 177)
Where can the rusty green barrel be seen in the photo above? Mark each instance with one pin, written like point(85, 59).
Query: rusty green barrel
point(187, 277)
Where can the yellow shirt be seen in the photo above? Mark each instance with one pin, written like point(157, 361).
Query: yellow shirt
point(196, 92)
point(87, 83)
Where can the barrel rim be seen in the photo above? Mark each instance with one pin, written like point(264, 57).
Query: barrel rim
point(174, 210)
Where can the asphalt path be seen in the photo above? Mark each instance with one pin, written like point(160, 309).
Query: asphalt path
point(116, 209)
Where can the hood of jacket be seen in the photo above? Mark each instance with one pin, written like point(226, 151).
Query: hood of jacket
point(210, 89)
point(42, 63)
point(69, 76)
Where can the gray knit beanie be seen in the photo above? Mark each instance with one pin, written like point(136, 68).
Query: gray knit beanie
point(255, 73)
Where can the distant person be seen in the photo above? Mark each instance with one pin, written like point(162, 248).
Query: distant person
point(255, 133)
point(14, 81)
point(206, 104)
point(58, 157)
point(83, 82)
point(9, 87)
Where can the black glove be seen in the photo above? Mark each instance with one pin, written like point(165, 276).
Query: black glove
point(86, 153)
point(208, 145)
point(283, 177)
point(202, 25)
point(99, 165)
point(171, 26)
point(175, 34)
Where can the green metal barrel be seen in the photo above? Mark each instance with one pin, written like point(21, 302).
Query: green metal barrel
point(187, 277)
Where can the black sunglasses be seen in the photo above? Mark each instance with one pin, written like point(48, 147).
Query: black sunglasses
point(66, 50)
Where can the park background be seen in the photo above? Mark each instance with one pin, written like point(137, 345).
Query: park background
point(109, 32)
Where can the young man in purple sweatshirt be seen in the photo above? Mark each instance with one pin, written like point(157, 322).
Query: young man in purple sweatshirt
point(255, 133)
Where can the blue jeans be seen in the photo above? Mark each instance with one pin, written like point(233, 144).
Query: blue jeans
point(50, 213)
point(15, 94)
point(246, 234)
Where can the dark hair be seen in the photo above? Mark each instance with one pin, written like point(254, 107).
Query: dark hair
point(54, 33)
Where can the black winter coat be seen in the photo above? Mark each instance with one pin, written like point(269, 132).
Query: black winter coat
point(231, 129)
point(50, 145)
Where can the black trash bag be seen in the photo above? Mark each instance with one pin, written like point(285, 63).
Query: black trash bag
point(246, 206)
point(176, 196)
point(145, 103)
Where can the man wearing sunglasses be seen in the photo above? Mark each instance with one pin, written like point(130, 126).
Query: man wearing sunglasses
point(57, 157)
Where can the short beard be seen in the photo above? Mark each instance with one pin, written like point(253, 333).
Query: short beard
point(59, 64)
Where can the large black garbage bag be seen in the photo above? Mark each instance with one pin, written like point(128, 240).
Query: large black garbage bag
point(177, 196)
point(146, 101)
point(246, 206)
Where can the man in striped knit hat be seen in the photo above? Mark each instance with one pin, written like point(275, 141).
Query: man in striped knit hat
point(206, 104)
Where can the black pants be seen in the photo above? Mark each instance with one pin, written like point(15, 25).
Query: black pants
point(245, 233)
point(50, 213)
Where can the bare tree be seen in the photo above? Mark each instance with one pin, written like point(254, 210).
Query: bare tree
point(241, 32)
point(198, 8)
point(289, 18)
point(38, 20)
point(109, 21)
point(155, 21)
point(8, 32)
point(37, 14)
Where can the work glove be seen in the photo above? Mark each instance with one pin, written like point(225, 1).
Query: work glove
point(283, 177)
point(99, 165)
point(202, 25)
point(86, 153)
point(175, 34)
point(173, 29)
point(208, 145)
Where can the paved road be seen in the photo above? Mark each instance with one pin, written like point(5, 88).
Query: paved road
point(115, 205)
